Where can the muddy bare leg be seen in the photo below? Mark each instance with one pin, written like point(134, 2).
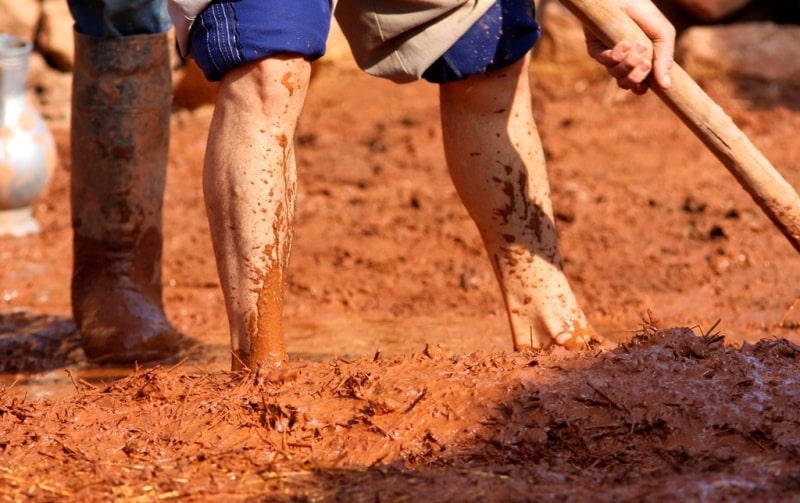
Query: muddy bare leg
point(250, 184)
point(496, 161)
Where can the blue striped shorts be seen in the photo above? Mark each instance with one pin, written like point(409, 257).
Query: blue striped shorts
point(230, 33)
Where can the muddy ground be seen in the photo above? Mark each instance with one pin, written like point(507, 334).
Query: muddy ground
point(402, 386)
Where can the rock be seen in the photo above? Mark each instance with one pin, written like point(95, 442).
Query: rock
point(562, 35)
point(764, 51)
point(19, 17)
point(54, 37)
point(711, 10)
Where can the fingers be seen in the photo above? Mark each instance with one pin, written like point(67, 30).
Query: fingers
point(663, 62)
point(625, 62)
point(658, 28)
point(630, 63)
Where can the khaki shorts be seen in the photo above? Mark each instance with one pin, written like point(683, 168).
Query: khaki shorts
point(395, 39)
point(401, 39)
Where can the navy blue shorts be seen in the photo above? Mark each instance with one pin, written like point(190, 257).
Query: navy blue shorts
point(502, 36)
point(230, 33)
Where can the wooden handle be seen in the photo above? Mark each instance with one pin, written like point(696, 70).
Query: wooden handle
point(776, 197)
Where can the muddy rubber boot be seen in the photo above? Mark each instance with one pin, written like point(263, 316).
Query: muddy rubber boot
point(121, 101)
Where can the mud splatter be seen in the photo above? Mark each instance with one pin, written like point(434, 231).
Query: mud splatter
point(286, 81)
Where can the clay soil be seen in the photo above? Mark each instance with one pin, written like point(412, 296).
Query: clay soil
point(402, 385)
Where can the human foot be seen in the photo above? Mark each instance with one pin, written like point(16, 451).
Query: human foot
point(582, 338)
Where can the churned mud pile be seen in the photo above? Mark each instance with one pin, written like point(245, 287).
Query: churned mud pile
point(648, 219)
point(669, 416)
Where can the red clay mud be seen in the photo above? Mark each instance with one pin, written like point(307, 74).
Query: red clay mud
point(401, 384)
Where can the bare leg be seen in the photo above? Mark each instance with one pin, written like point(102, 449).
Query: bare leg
point(250, 184)
point(496, 161)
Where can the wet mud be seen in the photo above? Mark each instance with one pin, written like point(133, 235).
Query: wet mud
point(669, 416)
point(401, 383)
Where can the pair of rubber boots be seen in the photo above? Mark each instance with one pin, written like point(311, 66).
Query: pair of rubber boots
point(121, 101)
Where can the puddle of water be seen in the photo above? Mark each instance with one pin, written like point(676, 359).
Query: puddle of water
point(59, 383)
point(317, 340)
point(350, 338)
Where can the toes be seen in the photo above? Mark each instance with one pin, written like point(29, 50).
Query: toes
point(578, 338)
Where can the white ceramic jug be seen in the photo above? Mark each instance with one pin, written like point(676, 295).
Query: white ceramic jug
point(27, 150)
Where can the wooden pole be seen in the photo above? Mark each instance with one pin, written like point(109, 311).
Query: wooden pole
point(773, 194)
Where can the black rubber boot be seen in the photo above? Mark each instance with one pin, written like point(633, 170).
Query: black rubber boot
point(121, 101)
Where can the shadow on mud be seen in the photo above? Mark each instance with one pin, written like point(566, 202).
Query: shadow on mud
point(37, 343)
point(669, 416)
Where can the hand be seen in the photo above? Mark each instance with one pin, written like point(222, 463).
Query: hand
point(627, 62)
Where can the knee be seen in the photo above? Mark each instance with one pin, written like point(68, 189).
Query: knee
point(283, 77)
point(269, 91)
point(488, 93)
